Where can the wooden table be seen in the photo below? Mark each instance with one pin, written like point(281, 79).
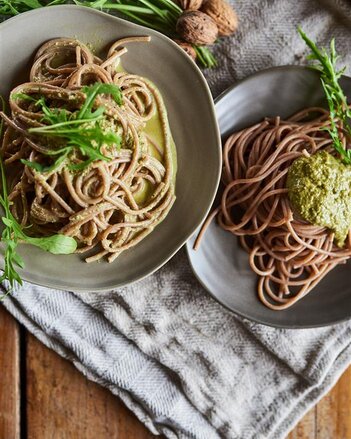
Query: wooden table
point(43, 396)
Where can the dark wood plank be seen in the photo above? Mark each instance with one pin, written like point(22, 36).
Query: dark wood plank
point(63, 404)
point(9, 376)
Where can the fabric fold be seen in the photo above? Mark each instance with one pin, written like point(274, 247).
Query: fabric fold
point(98, 350)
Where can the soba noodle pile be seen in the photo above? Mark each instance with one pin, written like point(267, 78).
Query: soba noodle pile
point(289, 255)
point(108, 206)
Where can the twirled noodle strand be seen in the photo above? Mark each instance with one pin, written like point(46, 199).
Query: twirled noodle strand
point(100, 206)
point(289, 255)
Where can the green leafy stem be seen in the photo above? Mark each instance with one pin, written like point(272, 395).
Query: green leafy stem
point(337, 101)
point(161, 15)
point(78, 130)
point(13, 233)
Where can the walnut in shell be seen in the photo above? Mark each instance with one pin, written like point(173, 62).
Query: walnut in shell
point(188, 48)
point(223, 14)
point(195, 27)
point(190, 5)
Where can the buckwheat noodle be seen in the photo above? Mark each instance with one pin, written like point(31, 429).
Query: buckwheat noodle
point(289, 255)
point(98, 206)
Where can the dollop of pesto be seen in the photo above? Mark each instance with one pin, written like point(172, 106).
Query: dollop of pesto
point(319, 190)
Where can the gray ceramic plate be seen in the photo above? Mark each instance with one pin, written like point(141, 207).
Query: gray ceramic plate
point(220, 264)
point(192, 119)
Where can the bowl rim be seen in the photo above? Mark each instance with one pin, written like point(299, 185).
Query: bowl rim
point(189, 248)
point(201, 82)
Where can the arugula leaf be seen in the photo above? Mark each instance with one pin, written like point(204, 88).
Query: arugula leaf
point(17, 259)
point(22, 96)
point(6, 221)
point(91, 92)
point(57, 244)
point(41, 168)
point(337, 101)
point(13, 233)
point(79, 166)
point(80, 129)
point(35, 165)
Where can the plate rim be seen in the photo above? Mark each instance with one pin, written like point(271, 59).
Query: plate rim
point(189, 248)
point(206, 89)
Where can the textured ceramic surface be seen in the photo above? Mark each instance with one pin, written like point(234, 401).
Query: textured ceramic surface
point(220, 264)
point(192, 119)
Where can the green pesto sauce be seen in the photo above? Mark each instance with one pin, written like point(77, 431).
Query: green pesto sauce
point(319, 189)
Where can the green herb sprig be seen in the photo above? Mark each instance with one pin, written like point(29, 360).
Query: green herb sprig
point(161, 15)
point(15, 7)
point(13, 233)
point(337, 101)
point(79, 130)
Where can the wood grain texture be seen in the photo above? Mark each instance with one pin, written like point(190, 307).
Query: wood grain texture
point(344, 405)
point(333, 413)
point(9, 377)
point(327, 416)
point(331, 418)
point(63, 404)
point(306, 428)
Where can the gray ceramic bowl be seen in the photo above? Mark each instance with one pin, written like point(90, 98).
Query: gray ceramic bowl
point(220, 264)
point(192, 119)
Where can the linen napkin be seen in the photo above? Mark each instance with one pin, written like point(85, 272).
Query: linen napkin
point(187, 367)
